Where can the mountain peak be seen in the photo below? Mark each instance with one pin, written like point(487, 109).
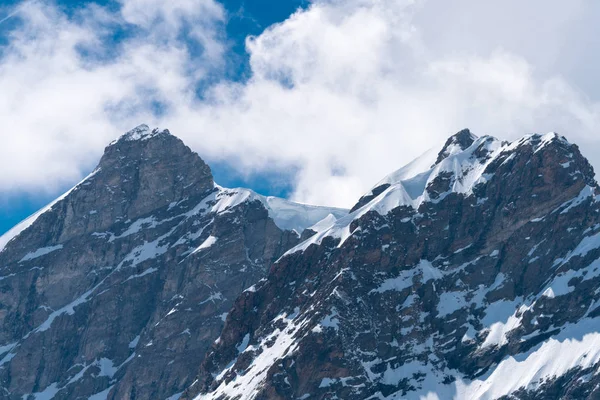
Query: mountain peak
point(140, 132)
point(461, 168)
point(456, 143)
point(146, 241)
point(540, 140)
point(437, 281)
point(140, 172)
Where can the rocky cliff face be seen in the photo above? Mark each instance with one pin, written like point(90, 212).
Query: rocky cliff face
point(118, 288)
point(471, 273)
point(474, 277)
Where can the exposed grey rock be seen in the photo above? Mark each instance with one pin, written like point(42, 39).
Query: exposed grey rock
point(121, 286)
point(479, 278)
point(436, 296)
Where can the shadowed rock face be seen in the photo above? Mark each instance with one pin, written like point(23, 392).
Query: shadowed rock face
point(488, 293)
point(121, 286)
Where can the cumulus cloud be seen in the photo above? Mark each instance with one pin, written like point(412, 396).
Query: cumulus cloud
point(344, 92)
point(64, 95)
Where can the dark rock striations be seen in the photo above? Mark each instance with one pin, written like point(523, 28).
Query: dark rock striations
point(471, 273)
point(119, 288)
point(476, 279)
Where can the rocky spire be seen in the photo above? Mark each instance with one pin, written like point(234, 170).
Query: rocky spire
point(421, 278)
point(151, 168)
point(142, 171)
point(455, 143)
point(119, 287)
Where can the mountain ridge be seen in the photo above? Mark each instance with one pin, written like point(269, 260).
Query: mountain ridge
point(424, 299)
point(131, 271)
point(472, 272)
point(143, 133)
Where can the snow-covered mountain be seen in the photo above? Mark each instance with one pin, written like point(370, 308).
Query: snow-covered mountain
point(118, 288)
point(471, 273)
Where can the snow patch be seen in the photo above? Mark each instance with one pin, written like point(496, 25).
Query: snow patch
point(286, 214)
point(247, 385)
point(450, 302)
point(423, 272)
point(135, 227)
point(206, 244)
point(140, 132)
point(244, 344)
point(213, 297)
point(40, 252)
point(331, 320)
point(133, 344)
point(47, 393)
point(101, 395)
point(501, 318)
point(578, 345)
point(144, 273)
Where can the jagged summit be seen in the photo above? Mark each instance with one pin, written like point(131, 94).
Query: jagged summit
point(539, 140)
point(146, 249)
point(456, 143)
point(145, 170)
point(465, 157)
point(141, 171)
point(547, 160)
point(140, 132)
point(474, 278)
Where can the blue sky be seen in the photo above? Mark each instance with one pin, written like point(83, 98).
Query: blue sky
point(245, 18)
point(316, 105)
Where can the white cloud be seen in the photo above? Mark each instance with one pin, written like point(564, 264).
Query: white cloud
point(58, 108)
point(345, 91)
point(164, 20)
point(364, 95)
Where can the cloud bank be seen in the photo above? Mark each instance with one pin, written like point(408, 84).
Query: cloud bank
point(343, 92)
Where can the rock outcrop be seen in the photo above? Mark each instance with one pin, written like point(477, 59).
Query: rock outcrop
point(477, 278)
point(471, 273)
point(118, 288)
